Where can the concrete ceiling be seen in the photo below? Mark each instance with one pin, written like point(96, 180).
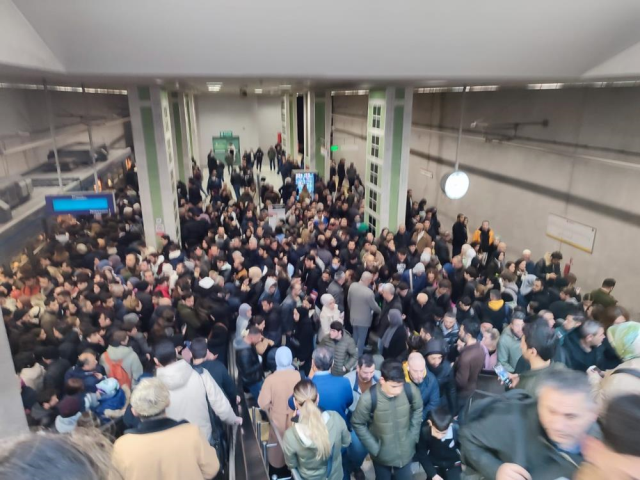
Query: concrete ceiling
point(354, 43)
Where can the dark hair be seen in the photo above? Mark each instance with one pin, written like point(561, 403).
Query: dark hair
point(441, 418)
point(336, 326)
point(472, 272)
point(415, 343)
point(540, 336)
point(609, 283)
point(392, 371)
point(164, 352)
point(556, 256)
point(444, 283)
point(73, 386)
point(621, 423)
point(366, 360)
point(118, 338)
point(198, 348)
point(471, 327)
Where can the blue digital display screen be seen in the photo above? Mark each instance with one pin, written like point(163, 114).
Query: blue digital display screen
point(80, 203)
point(307, 179)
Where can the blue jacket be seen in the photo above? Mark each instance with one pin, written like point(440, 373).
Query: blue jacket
point(116, 402)
point(430, 393)
point(335, 393)
point(419, 282)
point(88, 378)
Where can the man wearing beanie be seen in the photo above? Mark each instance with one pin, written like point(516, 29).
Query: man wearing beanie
point(161, 447)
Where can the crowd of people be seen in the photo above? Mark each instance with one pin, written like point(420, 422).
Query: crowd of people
point(356, 343)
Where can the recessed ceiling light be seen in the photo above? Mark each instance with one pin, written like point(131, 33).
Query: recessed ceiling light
point(258, 90)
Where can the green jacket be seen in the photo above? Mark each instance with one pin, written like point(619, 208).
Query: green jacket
point(392, 435)
point(190, 318)
point(600, 297)
point(530, 380)
point(521, 440)
point(300, 453)
point(345, 353)
point(509, 351)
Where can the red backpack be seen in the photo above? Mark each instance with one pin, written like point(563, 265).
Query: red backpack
point(117, 371)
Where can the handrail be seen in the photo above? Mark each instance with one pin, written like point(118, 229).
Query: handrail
point(295, 475)
point(243, 411)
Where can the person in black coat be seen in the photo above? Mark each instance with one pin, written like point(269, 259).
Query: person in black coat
point(342, 172)
point(56, 368)
point(216, 368)
point(435, 353)
point(310, 273)
point(258, 156)
point(420, 311)
point(273, 320)
point(460, 235)
point(394, 339)
point(212, 162)
point(442, 248)
point(248, 362)
point(302, 340)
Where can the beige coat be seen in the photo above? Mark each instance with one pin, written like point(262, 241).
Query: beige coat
point(619, 384)
point(274, 398)
point(179, 451)
point(424, 242)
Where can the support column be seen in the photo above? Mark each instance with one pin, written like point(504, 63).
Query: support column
point(388, 146)
point(180, 128)
point(153, 141)
point(318, 126)
point(290, 133)
point(13, 421)
point(192, 126)
point(309, 131)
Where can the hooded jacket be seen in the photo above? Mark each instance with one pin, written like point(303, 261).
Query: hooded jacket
point(189, 392)
point(445, 376)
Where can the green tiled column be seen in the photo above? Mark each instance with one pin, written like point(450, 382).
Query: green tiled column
point(388, 146)
point(154, 154)
point(318, 128)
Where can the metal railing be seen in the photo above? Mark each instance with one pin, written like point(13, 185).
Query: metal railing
point(257, 413)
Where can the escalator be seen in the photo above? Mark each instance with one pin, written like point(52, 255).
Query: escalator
point(248, 449)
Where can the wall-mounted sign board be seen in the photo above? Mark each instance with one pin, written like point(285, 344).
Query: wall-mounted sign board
point(572, 233)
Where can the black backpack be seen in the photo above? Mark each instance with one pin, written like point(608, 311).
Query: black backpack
point(374, 396)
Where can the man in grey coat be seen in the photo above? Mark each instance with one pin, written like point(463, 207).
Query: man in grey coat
point(362, 305)
point(336, 289)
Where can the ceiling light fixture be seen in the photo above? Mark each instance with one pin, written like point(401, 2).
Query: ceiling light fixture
point(214, 86)
point(285, 86)
point(258, 90)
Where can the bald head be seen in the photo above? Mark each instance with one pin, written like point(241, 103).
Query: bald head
point(422, 298)
point(417, 367)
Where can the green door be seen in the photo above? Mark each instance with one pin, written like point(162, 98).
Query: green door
point(221, 146)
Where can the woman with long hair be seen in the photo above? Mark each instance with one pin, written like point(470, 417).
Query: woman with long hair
point(314, 443)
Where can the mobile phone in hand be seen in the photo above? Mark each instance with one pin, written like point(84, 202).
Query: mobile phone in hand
point(502, 375)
